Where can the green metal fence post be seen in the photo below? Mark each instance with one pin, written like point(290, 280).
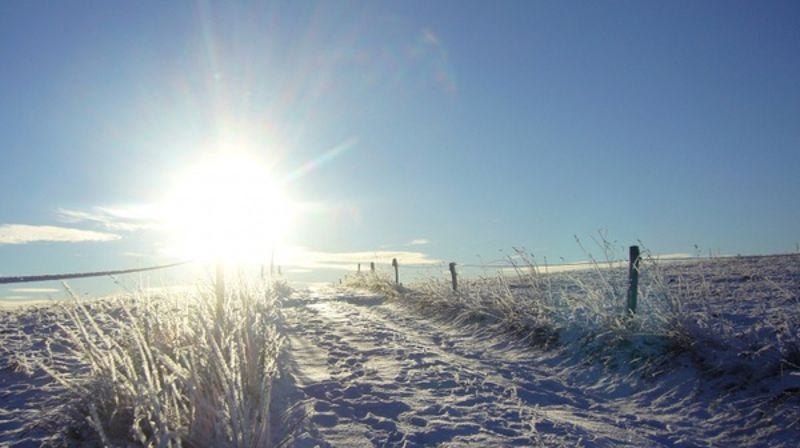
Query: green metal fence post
point(454, 276)
point(633, 279)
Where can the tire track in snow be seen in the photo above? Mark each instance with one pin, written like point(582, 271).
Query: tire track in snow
point(370, 373)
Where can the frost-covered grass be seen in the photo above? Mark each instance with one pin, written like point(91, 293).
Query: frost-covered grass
point(729, 314)
point(738, 314)
point(545, 308)
point(162, 370)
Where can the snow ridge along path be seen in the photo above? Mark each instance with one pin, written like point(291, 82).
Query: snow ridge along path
point(362, 370)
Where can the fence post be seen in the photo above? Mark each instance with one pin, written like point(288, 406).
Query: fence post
point(372, 266)
point(396, 271)
point(220, 287)
point(272, 263)
point(633, 278)
point(454, 276)
point(359, 268)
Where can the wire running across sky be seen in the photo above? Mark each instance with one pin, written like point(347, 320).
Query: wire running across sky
point(51, 277)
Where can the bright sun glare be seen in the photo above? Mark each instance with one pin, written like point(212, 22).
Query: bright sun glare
point(227, 206)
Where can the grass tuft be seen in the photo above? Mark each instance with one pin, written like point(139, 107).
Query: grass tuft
point(167, 371)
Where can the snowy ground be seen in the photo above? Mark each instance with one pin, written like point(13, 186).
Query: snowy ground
point(26, 390)
point(364, 371)
point(359, 369)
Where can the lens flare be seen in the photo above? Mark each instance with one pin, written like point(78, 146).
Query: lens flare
point(227, 206)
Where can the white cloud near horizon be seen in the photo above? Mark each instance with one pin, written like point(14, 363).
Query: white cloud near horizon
point(24, 233)
point(675, 255)
point(419, 242)
point(308, 259)
point(35, 290)
point(119, 218)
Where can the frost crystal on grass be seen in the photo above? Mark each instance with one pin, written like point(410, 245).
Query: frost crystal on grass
point(157, 370)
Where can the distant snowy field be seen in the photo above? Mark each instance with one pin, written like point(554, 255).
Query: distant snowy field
point(718, 366)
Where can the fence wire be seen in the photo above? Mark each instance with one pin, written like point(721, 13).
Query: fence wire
point(546, 266)
point(51, 277)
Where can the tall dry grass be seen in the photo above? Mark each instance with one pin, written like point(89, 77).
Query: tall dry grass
point(727, 315)
point(168, 371)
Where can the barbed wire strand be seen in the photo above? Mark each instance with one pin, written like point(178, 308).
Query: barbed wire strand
point(51, 277)
point(544, 266)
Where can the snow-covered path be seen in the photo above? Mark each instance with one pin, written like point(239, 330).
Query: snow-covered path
point(369, 373)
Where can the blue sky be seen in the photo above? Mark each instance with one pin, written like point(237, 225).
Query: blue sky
point(464, 128)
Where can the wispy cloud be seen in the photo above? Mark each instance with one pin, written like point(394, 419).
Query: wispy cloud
point(673, 256)
point(304, 258)
point(23, 234)
point(135, 254)
point(35, 290)
point(119, 218)
point(414, 242)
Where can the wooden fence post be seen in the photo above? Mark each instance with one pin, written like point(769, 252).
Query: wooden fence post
point(372, 266)
point(396, 271)
point(454, 276)
point(359, 268)
point(633, 278)
point(272, 263)
point(220, 287)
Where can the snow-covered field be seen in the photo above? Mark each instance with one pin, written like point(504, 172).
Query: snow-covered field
point(24, 389)
point(426, 367)
point(366, 370)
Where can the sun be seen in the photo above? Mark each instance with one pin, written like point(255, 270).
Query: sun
point(227, 205)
